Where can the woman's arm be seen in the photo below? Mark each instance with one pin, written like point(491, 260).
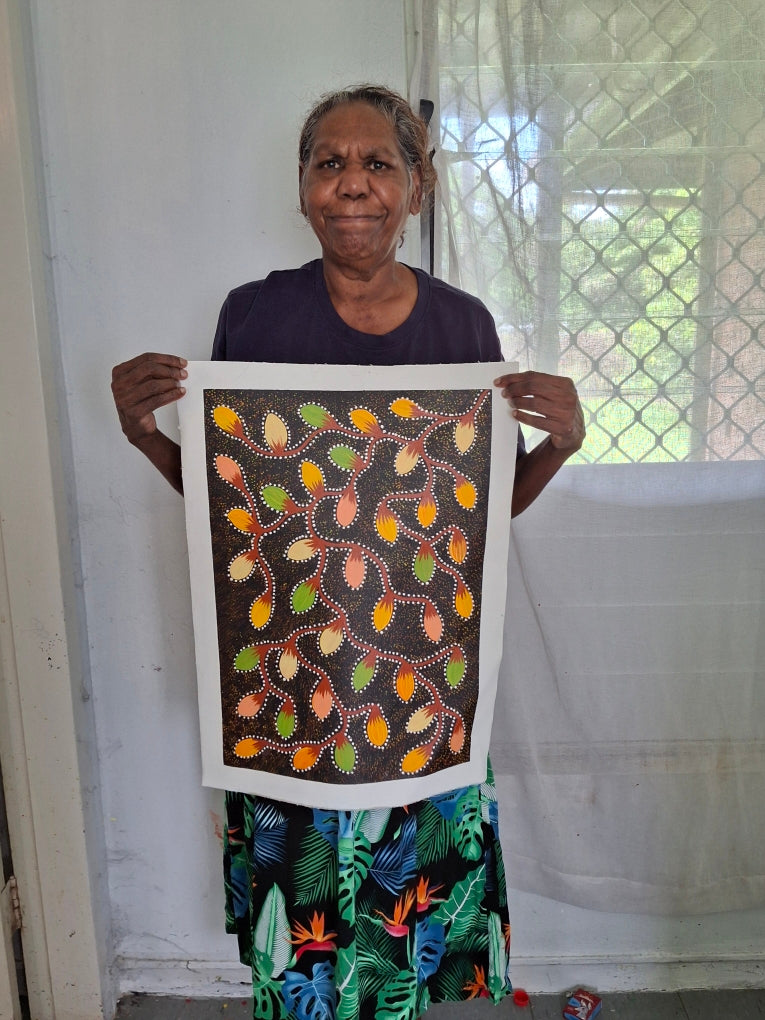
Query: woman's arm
point(139, 387)
point(550, 403)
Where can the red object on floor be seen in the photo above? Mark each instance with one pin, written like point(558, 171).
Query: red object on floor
point(582, 1006)
point(521, 997)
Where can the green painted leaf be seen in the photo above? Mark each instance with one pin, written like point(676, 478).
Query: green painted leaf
point(423, 566)
point(362, 674)
point(285, 722)
point(343, 456)
point(315, 415)
point(345, 756)
point(272, 931)
point(303, 597)
point(455, 668)
point(247, 659)
point(274, 496)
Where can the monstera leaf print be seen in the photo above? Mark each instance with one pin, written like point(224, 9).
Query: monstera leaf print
point(311, 998)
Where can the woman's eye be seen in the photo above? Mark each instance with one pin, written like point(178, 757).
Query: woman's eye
point(377, 164)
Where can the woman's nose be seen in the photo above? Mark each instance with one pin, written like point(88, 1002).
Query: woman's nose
point(354, 181)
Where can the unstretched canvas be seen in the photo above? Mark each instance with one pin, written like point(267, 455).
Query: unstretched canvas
point(348, 530)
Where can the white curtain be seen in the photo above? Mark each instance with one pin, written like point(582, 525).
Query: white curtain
point(602, 168)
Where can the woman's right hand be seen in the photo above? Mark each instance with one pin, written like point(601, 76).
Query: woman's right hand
point(142, 385)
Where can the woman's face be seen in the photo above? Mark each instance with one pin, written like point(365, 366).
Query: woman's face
point(356, 190)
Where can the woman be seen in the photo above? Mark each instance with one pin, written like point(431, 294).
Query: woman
point(365, 940)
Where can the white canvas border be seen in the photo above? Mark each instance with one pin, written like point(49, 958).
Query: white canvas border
point(406, 379)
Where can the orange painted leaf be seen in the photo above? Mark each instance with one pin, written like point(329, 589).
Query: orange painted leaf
point(457, 739)
point(312, 477)
point(431, 622)
point(248, 747)
point(457, 546)
point(383, 612)
point(416, 759)
point(251, 704)
point(377, 727)
point(405, 682)
point(260, 611)
point(364, 421)
point(405, 408)
point(230, 472)
point(426, 510)
point(386, 525)
point(229, 421)
point(345, 511)
point(243, 521)
point(355, 568)
point(464, 492)
point(305, 757)
point(463, 602)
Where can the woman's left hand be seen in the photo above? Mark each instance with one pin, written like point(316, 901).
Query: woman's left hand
point(547, 402)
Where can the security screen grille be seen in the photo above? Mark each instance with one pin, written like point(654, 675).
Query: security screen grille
point(602, 174)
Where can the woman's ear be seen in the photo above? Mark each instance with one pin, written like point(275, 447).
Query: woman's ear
point(300, 188)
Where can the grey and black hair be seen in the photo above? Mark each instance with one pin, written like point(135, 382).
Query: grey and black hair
point(411, 131)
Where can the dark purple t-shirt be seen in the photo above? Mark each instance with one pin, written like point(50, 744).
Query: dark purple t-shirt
point(289, 318)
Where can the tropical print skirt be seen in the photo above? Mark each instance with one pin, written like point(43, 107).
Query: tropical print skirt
point(368, 914)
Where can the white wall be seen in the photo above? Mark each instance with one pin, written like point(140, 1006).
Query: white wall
point(169, 134)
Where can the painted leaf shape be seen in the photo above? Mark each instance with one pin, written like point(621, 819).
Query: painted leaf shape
point(464, 493)
point(331, 638)
point(424, 564)
point(288, 663)
point(463, 602)
point(355, 568)
point(386, 525)
point(303, 549)
point(312, 477)
point(243, 521)
point(345, 755)
point(421, 719)
point(285, 720)
point(315, 415)
point(426, 510)
point(457, 739)
point(405, 682)
point(248, 747)
point(275, 432)
point(406, 459)
point(260, 611)
point(416, 759)
point(455, 667)
point(230, 472)
point(345, 511)
point(432, 623)
point(344, 457)
point(305, 757)
point(404, 407)
point(229, 421)
point(274, 496)
point(364, 420)
point(242, 566)
point(457, 546)
point(247, 659)
point(377, 727)
point(321, 700)
point(464, 434)
point(251, 704)
point(304, 596)
point(363, 672)
point(383, 612)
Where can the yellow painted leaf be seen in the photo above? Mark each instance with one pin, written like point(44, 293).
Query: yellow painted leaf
point(241, 566)
point(305, 757)
point(312, 477)
point(416, 760)
point(303, 549)
point(464, 434)
point(243, 521)
point(260, 611)
point(463, 602)
point(377, 727)
point(288, 663)
point(404, 407)
point(457, 546)
point(248, 747)
point(386, 525)
point(330, 639)
point(464, 492)
point(364, 420)
point(383, 612)
point(421, 719)
point(275, 432)
point(426, 510)
point(229, 421)
point(406, 459)
point(405, 682)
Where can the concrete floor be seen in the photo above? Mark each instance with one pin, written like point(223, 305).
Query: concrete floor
point(737, 1005)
